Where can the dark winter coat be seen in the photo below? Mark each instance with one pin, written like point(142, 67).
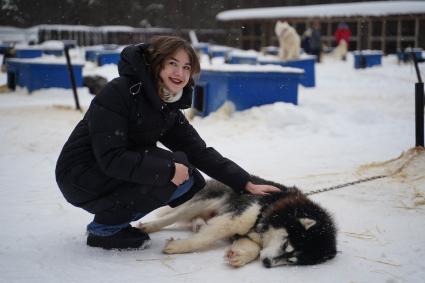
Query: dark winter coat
point(112, 158)
point(315, 40)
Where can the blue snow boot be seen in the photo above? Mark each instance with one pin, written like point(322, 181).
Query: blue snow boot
point(127, 238)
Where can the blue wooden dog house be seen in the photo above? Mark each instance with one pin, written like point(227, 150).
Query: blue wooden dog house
point(108, 57)
point(367, 58)
point(307, 63)
point(35, 74)
point(244, 87)
point(234, 57)
point(406, 54)
point(103, 54)
point(218, 51)
point(28, 52)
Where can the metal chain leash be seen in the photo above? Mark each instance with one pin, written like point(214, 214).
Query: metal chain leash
point(405, 157)
point(345, 185)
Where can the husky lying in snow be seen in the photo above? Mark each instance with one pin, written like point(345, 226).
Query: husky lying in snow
point(282, 228)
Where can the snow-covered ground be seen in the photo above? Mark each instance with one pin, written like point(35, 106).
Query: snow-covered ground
point(351, 118)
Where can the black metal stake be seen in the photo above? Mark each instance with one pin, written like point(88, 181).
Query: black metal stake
point(419, 105)
point(72, 78)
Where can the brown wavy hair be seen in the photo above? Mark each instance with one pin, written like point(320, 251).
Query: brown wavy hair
point(162, 47)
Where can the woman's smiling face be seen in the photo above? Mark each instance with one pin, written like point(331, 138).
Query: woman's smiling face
point(176, 71)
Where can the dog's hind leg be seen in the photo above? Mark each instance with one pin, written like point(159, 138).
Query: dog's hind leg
point(242, 251)
point(183, 213)
point(218, 228)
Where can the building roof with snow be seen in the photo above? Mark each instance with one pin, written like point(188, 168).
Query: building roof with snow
point(366, 9)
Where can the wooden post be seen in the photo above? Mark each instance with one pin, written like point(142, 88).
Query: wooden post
point(72, 77)
point(419, 105)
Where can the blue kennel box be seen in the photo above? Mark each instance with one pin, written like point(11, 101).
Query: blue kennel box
point(202, 47)
point(92, 51)
point(107, 57)
point(55, 52)
point(28, 52)
point(91, 55)
point(102, 56)
point(404, 56)
point(367, 58)
point(270, 50)
point(307, 63)
point(245, 88)
point(35, 74)
point(219, 51)
point(4, 47)
point(248, 89)
point(17, 73)
point(210, 92)
point(241, 58)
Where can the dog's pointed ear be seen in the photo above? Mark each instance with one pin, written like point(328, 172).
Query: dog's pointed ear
point(307, 222)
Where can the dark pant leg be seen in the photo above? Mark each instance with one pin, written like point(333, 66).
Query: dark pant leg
point(131, 201)
point(124, 203)
point(113, 201)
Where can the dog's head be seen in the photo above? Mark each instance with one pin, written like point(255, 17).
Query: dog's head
point(296, 231)
point(281, 27)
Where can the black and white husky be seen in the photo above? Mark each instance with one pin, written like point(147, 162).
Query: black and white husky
point(282, 228)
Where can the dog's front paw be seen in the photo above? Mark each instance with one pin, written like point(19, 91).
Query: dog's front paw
point(175, 247)
point(149, 227)
point(234, 258)
point(237, 257)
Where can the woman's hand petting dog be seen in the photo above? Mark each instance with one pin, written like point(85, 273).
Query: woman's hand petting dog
point(260, 190)
point(181, 174)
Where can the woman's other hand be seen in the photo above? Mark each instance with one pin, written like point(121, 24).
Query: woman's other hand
point(260, 189)
point(181, 174)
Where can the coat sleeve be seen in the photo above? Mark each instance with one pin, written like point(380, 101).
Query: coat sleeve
point(183, 137)
point(108, 128)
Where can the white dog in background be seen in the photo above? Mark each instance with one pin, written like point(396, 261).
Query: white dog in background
point(340, 52)
point(289, 41)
